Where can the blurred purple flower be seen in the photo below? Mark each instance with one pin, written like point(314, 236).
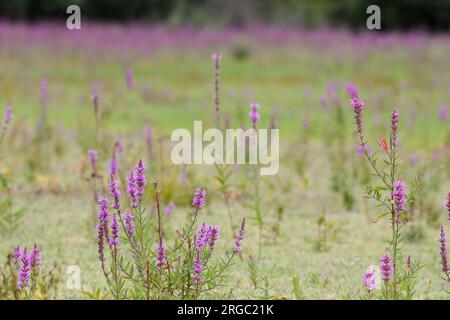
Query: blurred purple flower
point(443, 252)
point(240, 234)
point(129, 78)
point(412, 160)
point(114, 191)
point(254, 114)
point(160, 256)
point(443, 113)
point(395, 117)
point(168, 210)
point(198, 268)
point(352, 90)
point(129, 222)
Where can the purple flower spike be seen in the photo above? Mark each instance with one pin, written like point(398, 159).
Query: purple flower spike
point(93, 158)
point(395, 117)
point(386, 267)
point(213, 236)
point(443, 252)
point(398, 196)
point(202, 236)
point(17, 254)
point(239, 237)
point(216, 57)
point(114, 191)
point(352, 90)
point(358, 105)
point(8, 115)
point(443, 113)
point(35, 256)
point(113, 167)
point(161, 256)
point(369, 280)
point(140, 180)
point(131, 189)
point(102, 227)
point(199, 199)
point(129, 222)
point(254, 114)
point(114, 238)
point(24, 275)
point(198, 268)
point(447, 205)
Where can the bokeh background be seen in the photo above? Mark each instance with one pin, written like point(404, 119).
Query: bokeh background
point(149, 63)
point(403, 14)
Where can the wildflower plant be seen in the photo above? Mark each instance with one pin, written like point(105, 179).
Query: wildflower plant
point(390, 194)
point(136, 258)
point(22, 276)
point(223, 172)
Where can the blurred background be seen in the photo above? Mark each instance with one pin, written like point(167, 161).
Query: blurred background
point(402, 14)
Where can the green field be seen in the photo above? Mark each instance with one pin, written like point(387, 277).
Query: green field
point(48, 173)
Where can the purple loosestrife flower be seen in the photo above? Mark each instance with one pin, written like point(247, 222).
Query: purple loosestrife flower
point(161, 256)
point(199, 199)
point(443, 113)
point(447, 205)
point(198, 268)
point(358, 105)
point(202, 236)
point(102, 227)
point(131, 189)
point(369, 280)
point(352, 90)
point(140, 180)
point(94, 99)
point(254, 114)
point(240, 234)
point(398, 196)
point(8, 116)
point(17, 254)
point(395, 117)
point(361, 151)
point(129, 222)
point(217, 57)
point(213, 236)
point(168, 210)
point(386, 267)
point(24, 275)
point(35, 256)
point(443, 252)
point(129, 78)
point(93, 158)
point(113, 167)
point(114, 191)
point(114, 238)
point(436, 155)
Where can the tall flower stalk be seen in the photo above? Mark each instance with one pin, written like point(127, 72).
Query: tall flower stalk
point(224, 172)
point(391, 193)
point(145, 265)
